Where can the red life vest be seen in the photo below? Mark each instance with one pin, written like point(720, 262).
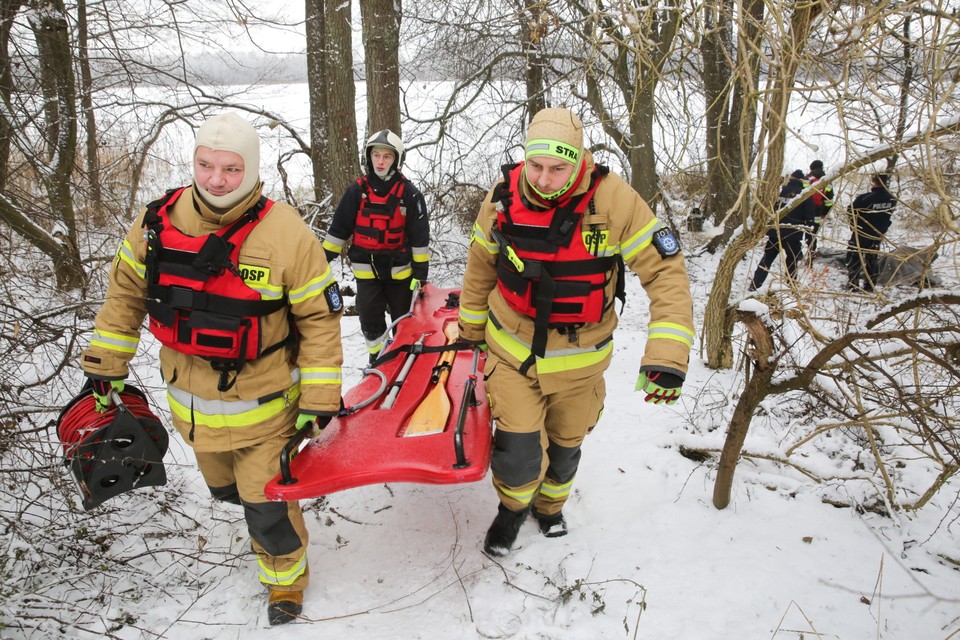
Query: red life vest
point(560, 275)
point(381, 221)
point(545, 269)
point(197, 299)
point(817, 195)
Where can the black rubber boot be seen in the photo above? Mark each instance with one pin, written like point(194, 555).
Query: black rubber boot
point(503, 532)
point(284, 607)
point(552, 526)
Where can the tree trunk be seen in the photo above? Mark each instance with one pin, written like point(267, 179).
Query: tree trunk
point(381, 48)
point(906, 83)
point(51, 33)
point(634, 62)
point(317, 91)
point(342, 153)
point(8, 10)
point(755, 390)
point(86, 105)
point(533, 28)
point(717, 336)
point(730, 87)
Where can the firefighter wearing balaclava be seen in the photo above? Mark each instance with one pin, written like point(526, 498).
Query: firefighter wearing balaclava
point(542, 280)
point(241, 298)
point(383, 218)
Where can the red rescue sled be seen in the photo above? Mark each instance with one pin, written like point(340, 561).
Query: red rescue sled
point(420, 415)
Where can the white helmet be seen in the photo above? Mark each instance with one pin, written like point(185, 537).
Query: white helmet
point(385, 139)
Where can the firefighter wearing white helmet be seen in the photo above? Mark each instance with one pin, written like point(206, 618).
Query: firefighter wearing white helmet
point(383, 218)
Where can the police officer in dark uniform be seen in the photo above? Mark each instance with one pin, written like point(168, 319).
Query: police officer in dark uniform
point(872, 212)
point(823, 199)
point(787, 235)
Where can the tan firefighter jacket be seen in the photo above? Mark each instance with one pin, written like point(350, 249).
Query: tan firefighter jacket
point(628, 227)
point(260, 403)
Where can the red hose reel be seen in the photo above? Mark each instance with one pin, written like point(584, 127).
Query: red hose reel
point(113, 452)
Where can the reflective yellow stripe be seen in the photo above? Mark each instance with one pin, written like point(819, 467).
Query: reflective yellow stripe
point(480, 238)
point(556, 490)
point(524, 497)
point(420, 254)
point(313, 288)
point(320, 375)
point(125, 253)
point(267, 291)
point(671, 331)
point(553, 149)
point(554, 360)
point(217, 414)
point(640, 240)
point(471, 316)
point(376, 345)
point(402, 273)
point(557, 364)
point(114, 341)
point(333, 244)
point(282, 578)
point(364, 271)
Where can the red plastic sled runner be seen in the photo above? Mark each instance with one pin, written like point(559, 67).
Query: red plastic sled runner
point(373, 440)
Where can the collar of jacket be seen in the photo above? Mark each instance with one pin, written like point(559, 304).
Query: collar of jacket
point(380, 186)
point(220, 217)
point(532, 200)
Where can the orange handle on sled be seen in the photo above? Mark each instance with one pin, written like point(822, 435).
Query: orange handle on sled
point(432, 413)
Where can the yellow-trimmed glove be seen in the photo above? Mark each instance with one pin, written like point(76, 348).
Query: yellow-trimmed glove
point(415, 284)
point(320, 422)
point(101, 393)
point(303, 419)
point(659, 386)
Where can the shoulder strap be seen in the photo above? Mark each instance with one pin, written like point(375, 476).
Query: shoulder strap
point(151, 217)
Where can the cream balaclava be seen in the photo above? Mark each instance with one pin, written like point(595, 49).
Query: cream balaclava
point(230, 132)
point(557, 133)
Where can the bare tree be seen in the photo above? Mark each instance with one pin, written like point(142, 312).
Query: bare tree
point(536, 21)
point(731, 55)
point(317, 92)
point(757, 209)
point(86, 107)
point(8, 12)
point(381, 47)
point(53, 120)
point(628, 47)
point(898, 372)
point(339, 80)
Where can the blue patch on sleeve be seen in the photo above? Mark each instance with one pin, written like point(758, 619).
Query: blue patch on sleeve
point(334, 299)
point(666, 243)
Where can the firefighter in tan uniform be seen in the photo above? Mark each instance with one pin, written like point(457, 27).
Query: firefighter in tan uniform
point(241, 298)
point(543, 275)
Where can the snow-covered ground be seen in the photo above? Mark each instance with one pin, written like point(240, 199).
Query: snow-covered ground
point(647, 556)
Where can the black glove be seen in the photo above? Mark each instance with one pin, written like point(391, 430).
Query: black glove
point(420, 271)
point(331, 256)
